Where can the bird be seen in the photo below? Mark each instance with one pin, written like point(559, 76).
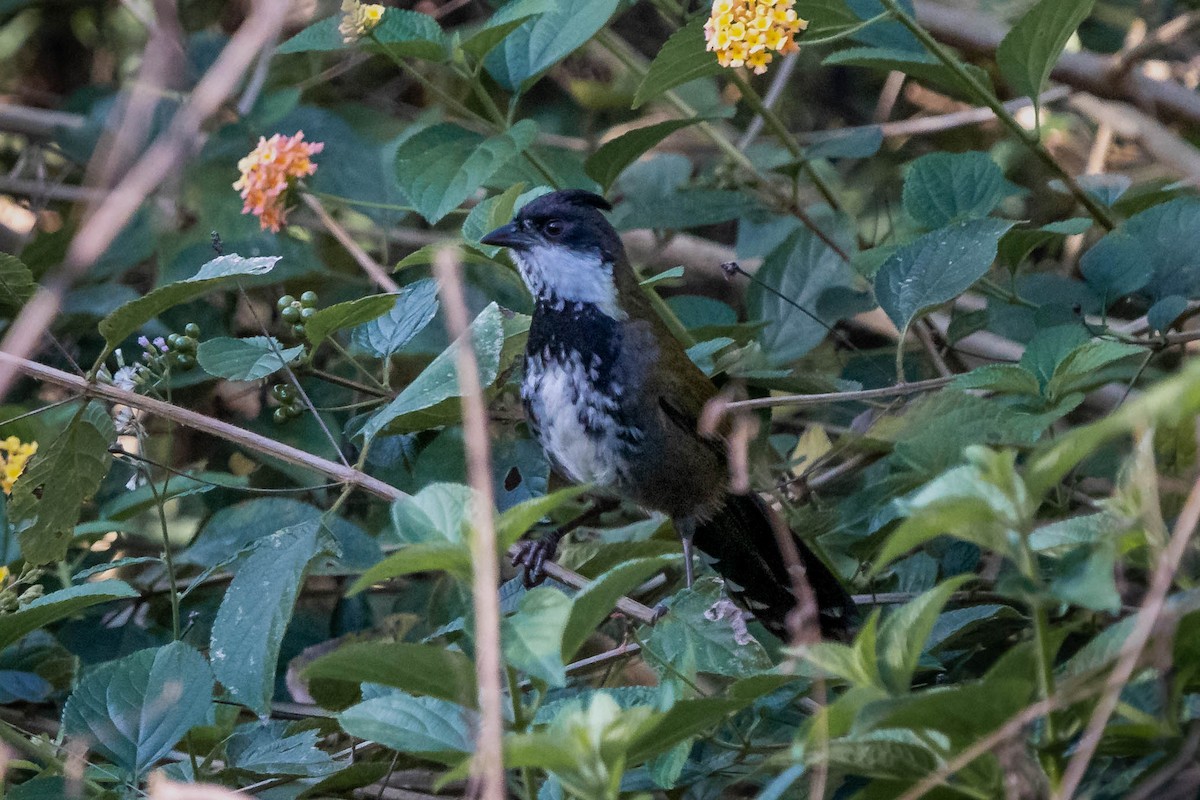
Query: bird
point(614, 400)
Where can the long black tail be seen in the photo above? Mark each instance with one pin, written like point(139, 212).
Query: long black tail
point(740, 544)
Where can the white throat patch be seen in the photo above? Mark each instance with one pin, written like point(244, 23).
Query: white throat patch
point(559, 275)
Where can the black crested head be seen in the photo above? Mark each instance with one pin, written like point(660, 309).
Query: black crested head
point(569, 218)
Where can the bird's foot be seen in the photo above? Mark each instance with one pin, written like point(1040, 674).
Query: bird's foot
point(533, 556)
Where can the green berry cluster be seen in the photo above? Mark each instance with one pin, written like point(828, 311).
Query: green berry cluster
point(290, 406)
point(182, 347)
point(296, 312)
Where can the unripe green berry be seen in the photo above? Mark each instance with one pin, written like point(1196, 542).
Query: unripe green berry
point(279, 392)
point(284, 302)
point(173, 341)
point(308, 299)
point(280, 415)
point(191, 330)
point(295, 410)
point(290, 314)
point(298, 330)
point(307, 313)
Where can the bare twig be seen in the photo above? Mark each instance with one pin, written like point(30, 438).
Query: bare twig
point(487, 767)
point(1143, 629)
point(809, 400)
point(373, 268)
point(159, 162)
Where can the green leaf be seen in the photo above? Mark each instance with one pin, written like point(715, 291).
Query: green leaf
point(1152, 252)
point(682, 58)
point(540, 43)
point(1002, 378)
point(265, 748)
point(533, 637)
point(413, 308)
point(437, 514)
point(790, 285)
point(1162, 315)
point(1018, 243)
point(426, 557)
point(936, 268)
point(615, 155)
point(705, 632)
point(903, 633)
point(488, 215)
point(1030, 50)
point(58, 605)
point(136, 709)
point(942, 188)
point(922, 66)
point(441, 166)
point(516, 521)
point(506, 19)
point(406, 33)
point(423, 669)
point(221, 271)
point(849, 143)
point(828, 18)
point(596, 601)
point(1082, 368)
point(148, 495)
point(434, 728)
point(897, 754)
point(248, 359)
point(47, 499)
point(685, 719)
point(345, 315)
point(256, 609)
point(439, 381)
point(16, 283)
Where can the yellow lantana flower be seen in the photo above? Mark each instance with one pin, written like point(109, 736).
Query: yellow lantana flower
point(750, 32)
point(358, 19)
point(14, 455)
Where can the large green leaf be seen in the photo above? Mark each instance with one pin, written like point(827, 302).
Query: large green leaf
point(439, 381)
point(400, 32)
point(942, 188)
point(1031, 49)
point(221, 271)
point(429, 726)
point(596, 601)
point(533, 637)
point(266, 748)
point(936, 268)
point(249, 359)
point(506, 19)
point(540, 43)
point(423, 669)
point(442, 165)
point(615, 155)
point(59, 605)
point(449, 557)
point(346, 315)
point(704, 632)
point(47, 499)
point(16, 282)
point(256, 609)
point(135, 709)
point(412, 310)
point(682, 58)
point(903, 633)
point(922, 66)
point(1153, 252)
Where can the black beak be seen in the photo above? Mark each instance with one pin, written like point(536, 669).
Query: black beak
point(507, 236)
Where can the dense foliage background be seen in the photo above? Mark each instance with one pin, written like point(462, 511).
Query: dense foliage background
point(246, 552)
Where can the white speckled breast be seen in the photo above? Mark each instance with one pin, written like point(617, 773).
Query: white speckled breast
point(577, 425)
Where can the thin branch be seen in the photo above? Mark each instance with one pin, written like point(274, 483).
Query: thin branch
point(809, 400)
point(373, 268)
point(487, 766)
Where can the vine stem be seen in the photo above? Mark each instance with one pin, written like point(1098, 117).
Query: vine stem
point(984, 95)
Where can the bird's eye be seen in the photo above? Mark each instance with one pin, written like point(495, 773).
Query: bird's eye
point(554, 228)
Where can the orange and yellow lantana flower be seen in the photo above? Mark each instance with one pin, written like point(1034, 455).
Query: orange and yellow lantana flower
point(748, 33)
point(268, 172)
point(14, 455)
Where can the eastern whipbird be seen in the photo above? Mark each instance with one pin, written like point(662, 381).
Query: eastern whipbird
point(614, 400)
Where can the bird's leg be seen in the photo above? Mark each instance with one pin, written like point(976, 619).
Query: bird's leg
point(687, 529)
point(535, 553)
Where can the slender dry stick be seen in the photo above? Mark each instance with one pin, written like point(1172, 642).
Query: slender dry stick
point(807, 400)
point(159, 162)
point(1143, 628)
point(373, 268)
point(487, 767)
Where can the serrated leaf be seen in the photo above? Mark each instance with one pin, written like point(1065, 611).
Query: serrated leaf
point(936, 268)
point(414, 307)
point(135, 709)
point(221, 271)
point(47, 498)
point(533, 637)
point(256, 609)
point(942, 188)
point(441, 166)
point(540, 43)
point(682, 58)
point(58, 605)
point(488, 215)
point(266, 748)
point(1018, 243)
point(1152, 252)
point(16, 282)
point(1002, 378)
point(429, 726)
point(1031, 48)
point(615, 155)
point(248, 359)
point(1080, 370)
point(904, 631)
point(437, 514)
point(404, 32)
point(423, 669)
point(506, 19)
point(705, 632)
point(346, 315)
point(439, 381)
